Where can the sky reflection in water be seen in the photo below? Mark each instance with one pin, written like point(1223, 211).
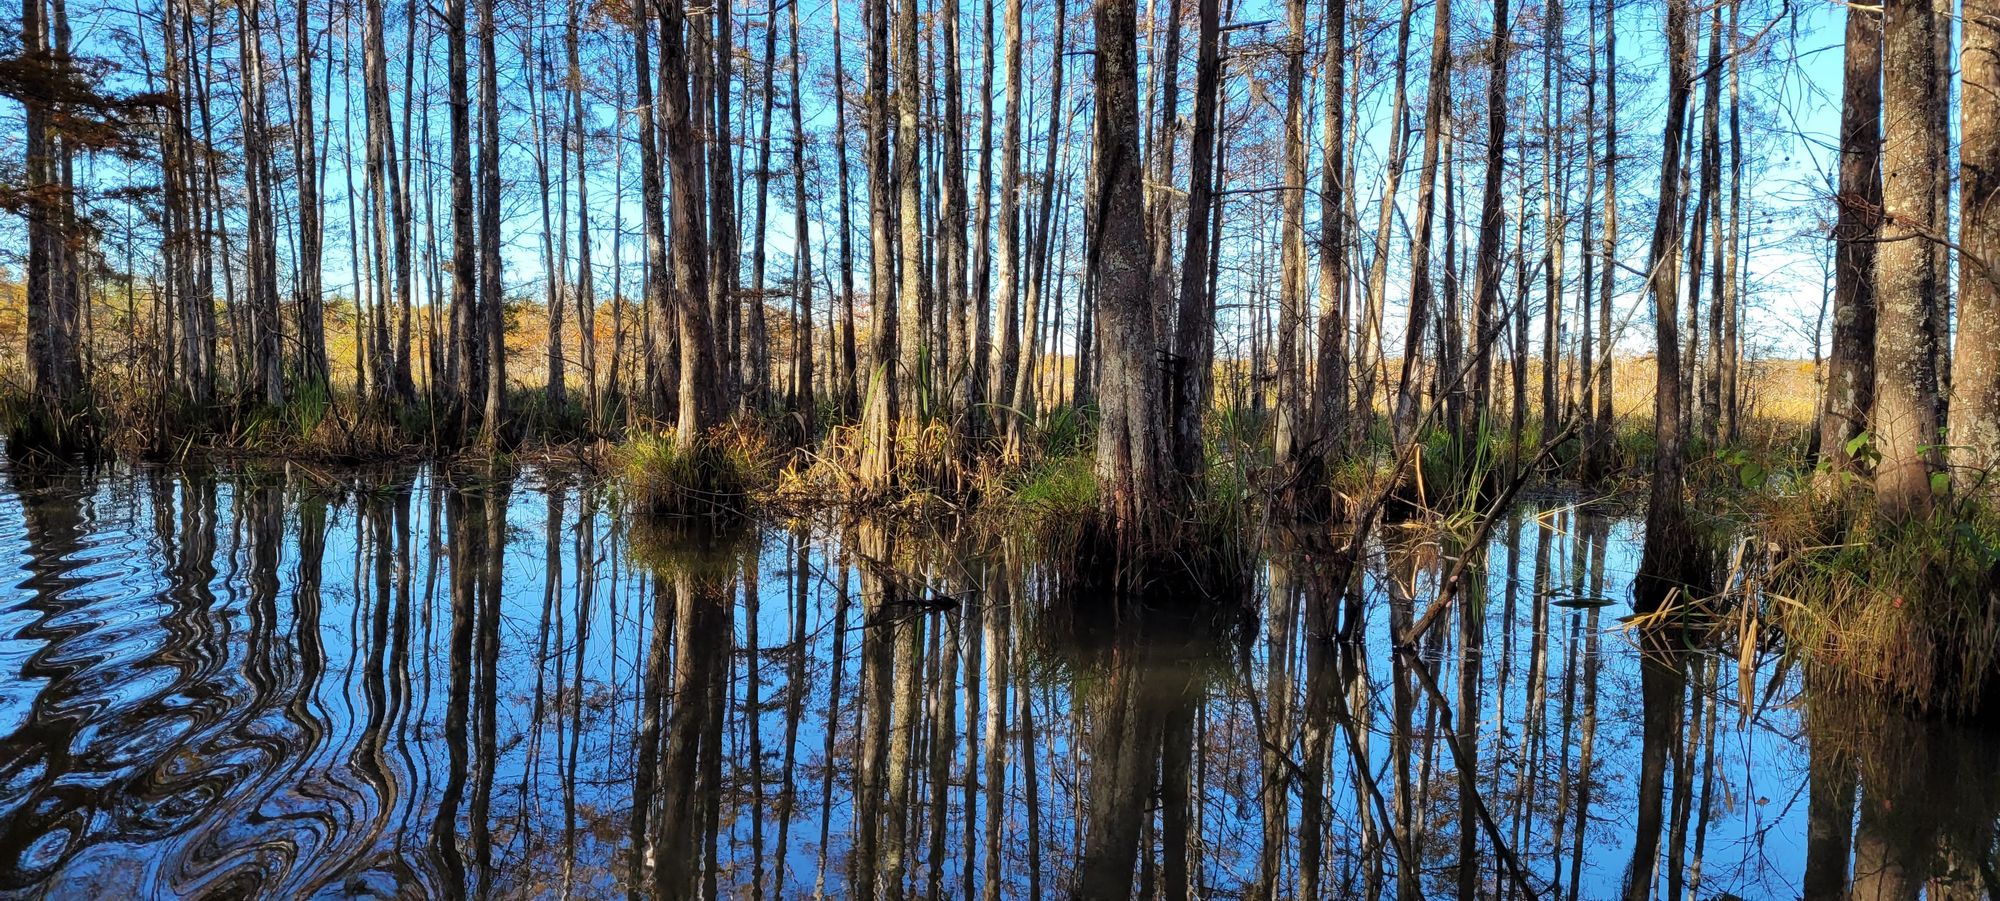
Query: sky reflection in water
point(436, 683)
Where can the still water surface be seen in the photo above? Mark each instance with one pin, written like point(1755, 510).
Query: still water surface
point(427, 682)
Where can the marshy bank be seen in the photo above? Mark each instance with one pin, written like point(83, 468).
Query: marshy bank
point(458, 680)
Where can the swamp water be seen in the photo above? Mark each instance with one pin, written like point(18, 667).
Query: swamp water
point(425, 682)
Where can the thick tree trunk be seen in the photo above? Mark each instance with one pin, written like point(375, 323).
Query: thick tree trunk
point(54, 366)
point(1133, 459)
point(1905, 422)
point(725, 240)
point(700, 397)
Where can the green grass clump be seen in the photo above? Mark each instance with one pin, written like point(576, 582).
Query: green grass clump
point(1063, 487)
point(714, 478)
point(1904, 610)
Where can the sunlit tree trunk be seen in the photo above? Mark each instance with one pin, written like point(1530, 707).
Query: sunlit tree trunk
point(1975, 386)
point(1907, 287)
point(913, 344)
point(1007, 350)
point(878, 425)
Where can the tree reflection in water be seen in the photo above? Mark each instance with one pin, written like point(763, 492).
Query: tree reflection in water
point(487, 684)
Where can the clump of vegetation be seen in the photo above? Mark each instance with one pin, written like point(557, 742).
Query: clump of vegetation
point(716, 478)
point(1905, 610)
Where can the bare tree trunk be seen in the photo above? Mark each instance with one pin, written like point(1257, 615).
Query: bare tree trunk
point(952, 294)
point(700, 397)
point(1850, 365)
point(1975, 386)
point(260, 240)
point(586, 301)
point(1133, 459)
point(1291, 433)
point(1368, 349)
point(1905, 422)
point(54, 365)
point(1555, 226)
point(878, 428)
point(725, 241)
point(1599, 453)
point(1007, 351)
point(802, 400)
point(1486, 275)
point(492, 319)
point(980, 350)
point(652, 202)
point(1665, 557)
point(1195, 328)
point(1436, 109)
point(756, 395)
point(1023, 390)
point(313, 369)
point(468, 377)
point(1330, 401)
point(1732, 352)
point(847, 369)
point(1711, 191)
point(915, 346)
